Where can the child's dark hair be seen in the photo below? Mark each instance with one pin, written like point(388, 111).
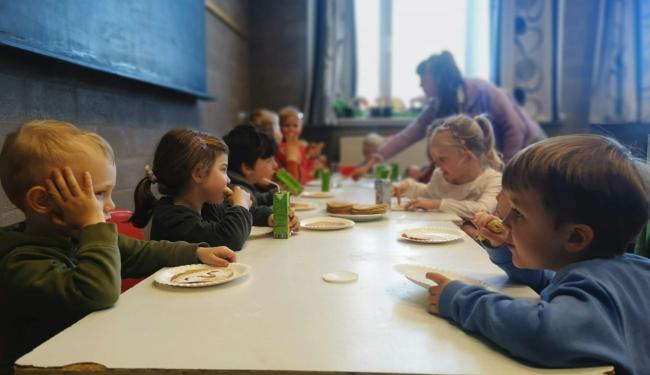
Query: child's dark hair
point(448, 80)
point(179, 152)
point(247, 144)
point(586, 179)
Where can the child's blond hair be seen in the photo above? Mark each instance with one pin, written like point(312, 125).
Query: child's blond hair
point(30, 153)
point(373, 139)
point(474, 134)
point(265, 119)
point(288, 112)
point(586, 179)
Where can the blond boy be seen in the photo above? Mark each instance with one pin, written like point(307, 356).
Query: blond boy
point(64, 261)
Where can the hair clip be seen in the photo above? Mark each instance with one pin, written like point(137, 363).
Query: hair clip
point(201, 142)
point(150, 176)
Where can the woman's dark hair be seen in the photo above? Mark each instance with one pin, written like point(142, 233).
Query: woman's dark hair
point(179, 152)
point(448, 78)
point(247, 144)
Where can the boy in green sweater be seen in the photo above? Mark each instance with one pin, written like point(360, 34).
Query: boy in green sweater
point(64, 261)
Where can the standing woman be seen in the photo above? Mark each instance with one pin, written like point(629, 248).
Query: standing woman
point(449, 94)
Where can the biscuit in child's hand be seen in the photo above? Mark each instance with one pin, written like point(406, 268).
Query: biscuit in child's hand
point(227, 191)
point(496, 226)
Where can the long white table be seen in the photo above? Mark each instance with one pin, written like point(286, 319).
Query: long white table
point(283, 317)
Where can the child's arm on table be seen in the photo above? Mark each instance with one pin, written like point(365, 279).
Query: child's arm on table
point(563, 329)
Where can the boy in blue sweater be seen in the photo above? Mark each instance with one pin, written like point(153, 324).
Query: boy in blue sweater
point(576, 202)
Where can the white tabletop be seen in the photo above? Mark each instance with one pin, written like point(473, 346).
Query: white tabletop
point(284, 317)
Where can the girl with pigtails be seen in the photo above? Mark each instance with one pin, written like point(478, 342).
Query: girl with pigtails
point(190, 171)
point(467, 178)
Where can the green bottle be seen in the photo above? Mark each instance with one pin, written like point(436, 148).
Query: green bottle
point(394, 172)
point(325, 180)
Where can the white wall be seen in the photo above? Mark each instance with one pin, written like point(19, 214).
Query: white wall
point(351, 147)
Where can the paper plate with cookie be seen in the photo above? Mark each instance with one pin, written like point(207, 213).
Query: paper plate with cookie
point(326, 223)
point(356, 212)
point(431, 235)
point(303, 206)
point(198, 275)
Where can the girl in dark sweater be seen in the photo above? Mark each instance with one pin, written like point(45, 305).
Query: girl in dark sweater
point(190, 169)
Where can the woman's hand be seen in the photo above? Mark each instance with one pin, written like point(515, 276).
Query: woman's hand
point(219, 256)
point(424, 203)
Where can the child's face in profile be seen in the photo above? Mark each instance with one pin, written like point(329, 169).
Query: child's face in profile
point(291, 126)
point(533, 239)
point(262, 171)
point(216, 180)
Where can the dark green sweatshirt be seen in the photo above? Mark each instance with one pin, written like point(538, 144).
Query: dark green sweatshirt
point(49, 282)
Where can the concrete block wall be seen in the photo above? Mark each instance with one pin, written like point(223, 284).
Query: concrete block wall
point(132, 116)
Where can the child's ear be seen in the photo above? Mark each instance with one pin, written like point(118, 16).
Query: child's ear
point(198, 173)
point(37, 199)
point(246, 170)
point(579, 238)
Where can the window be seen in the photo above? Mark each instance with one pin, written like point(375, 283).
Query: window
point(393, 36)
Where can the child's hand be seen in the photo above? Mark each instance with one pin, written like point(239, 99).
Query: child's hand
point(294, 221)
point(481, 219)
point(293, 148)
point(218, 256)
point(79, 206)
point(400, 188)
point(240, 197)
point(314, 150)
point(436, 291)
point(424, 203)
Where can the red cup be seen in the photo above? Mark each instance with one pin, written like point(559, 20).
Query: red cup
point(346, 170)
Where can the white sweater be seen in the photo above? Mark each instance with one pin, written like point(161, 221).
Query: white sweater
point(463, 200)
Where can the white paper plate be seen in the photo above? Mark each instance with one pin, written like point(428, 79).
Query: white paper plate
point(313, 183)
point(260, 231)
point(182, 276)
point(417, 274)
point(303, 206)
point(326, 223)
point(317, 194)
point(431, 234)
point(340, 277)
point(352, 217)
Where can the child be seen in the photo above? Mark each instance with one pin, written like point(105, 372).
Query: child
point(190, 169)
point(371, 144)
point(252, 164)
point(268, 121)
point(467, 177)
point(576, 203)
point(300, 159)
point(64, 261)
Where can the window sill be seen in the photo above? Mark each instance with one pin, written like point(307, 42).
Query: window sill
point(375, 121)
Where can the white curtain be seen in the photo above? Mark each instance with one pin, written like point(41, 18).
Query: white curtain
point(526, 54)
point(615, 85)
